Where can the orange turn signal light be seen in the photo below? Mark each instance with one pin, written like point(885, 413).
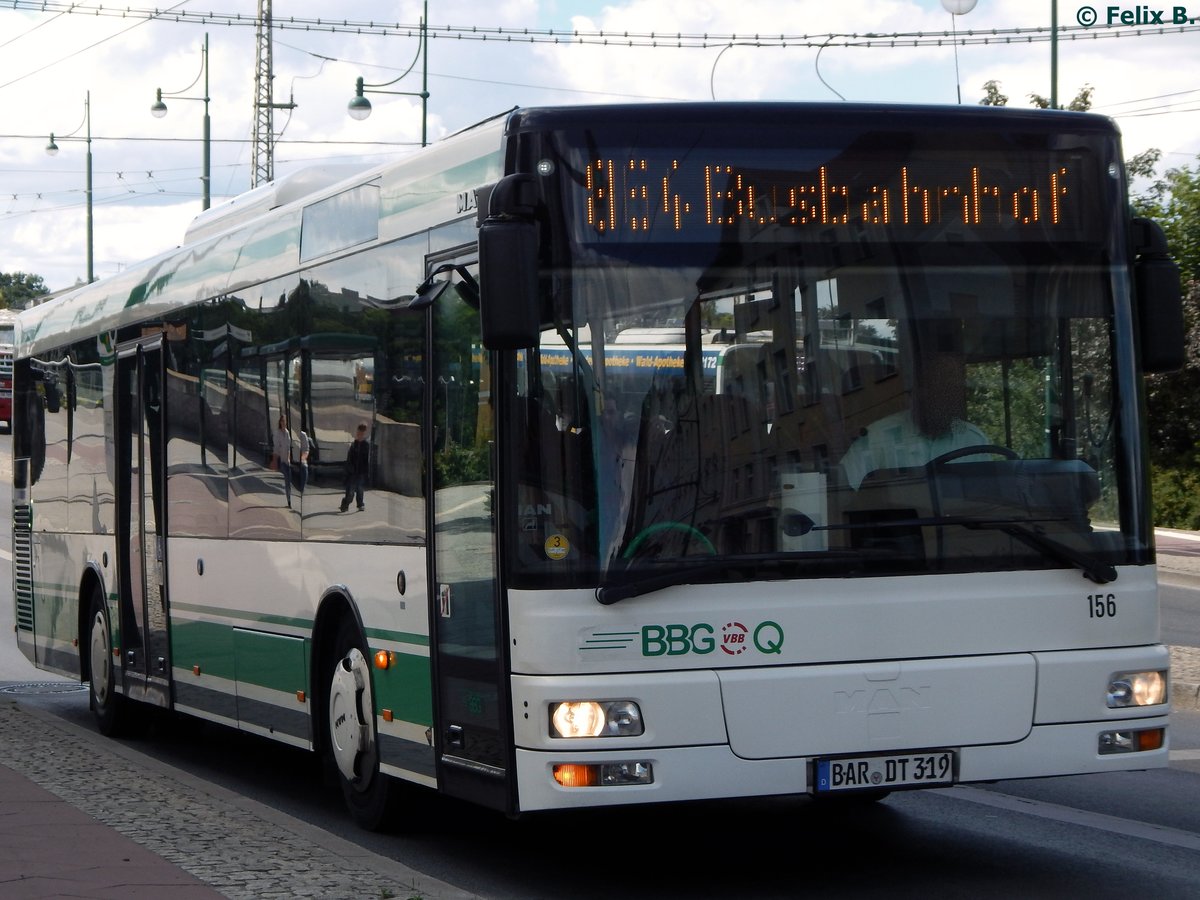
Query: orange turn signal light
point(572, 775)
point(1151, 739)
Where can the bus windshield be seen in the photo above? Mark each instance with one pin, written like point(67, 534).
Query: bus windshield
point(872, 354)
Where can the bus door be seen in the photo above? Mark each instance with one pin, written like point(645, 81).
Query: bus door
point(470, 697)
point(145, 657)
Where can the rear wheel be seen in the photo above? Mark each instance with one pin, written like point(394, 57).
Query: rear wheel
point(107, 705)
point(353, 742)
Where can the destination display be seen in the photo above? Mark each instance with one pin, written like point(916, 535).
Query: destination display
point(706, 195)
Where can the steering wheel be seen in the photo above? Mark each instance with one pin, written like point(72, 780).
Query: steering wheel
point(649, 530)
point(974, 449)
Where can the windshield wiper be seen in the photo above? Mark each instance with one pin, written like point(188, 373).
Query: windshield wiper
point(1092, 568)
point(614, 591)
point(633, 583)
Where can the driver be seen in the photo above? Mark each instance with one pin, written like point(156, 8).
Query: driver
point(931, 426)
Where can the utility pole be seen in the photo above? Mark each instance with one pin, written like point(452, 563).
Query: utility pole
point(264, 106)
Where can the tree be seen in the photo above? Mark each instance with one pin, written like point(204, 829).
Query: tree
point(1176, 206)
point(1142, 165)
point(993, 97)
point(17, 289)
point(1081, 103)
point(1174, 397)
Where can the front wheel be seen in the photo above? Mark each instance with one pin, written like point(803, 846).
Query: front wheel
point(353, 743)
point(106, 704)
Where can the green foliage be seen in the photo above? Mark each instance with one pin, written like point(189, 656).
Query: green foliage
point(995, 397)
point(992, 97)
point(1142, 165)
point(1173, 398)
point(18, 288)
point(459, 464)
point(1176, 492)
point(1175, 204)
point(1081, 103)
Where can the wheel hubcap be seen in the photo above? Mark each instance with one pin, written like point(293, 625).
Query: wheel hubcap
point(100, 665)
point(350, 708)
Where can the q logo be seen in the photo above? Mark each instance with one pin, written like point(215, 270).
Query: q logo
point(768, 637)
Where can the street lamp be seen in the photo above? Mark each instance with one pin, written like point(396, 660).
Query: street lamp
point(158, 109)
point(1054, 54)
point(359, 106)
point(957, 8)
point(52, 150)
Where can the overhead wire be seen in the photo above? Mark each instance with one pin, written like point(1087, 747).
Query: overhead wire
point(601, 37)
point(81, 50)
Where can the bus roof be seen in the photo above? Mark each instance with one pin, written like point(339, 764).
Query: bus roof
point(257, 237)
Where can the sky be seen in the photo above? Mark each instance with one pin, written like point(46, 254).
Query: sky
point(69, 73)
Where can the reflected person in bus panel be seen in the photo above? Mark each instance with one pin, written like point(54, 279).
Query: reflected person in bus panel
point(931, 426)
point(281, 449)
point(358, 463)
point(305, 446)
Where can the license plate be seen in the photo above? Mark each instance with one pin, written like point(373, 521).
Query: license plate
point(859, 773)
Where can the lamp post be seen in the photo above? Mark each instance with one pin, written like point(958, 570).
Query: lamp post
point(158, 109)
point(52, 150)
point(957, 8)
point(359, 106)
point(1054, 54)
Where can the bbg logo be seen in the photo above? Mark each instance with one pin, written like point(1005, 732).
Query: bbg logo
point(733, 638)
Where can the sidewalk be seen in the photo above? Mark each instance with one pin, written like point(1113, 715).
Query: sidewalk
point(1185, 661)
point(71, 827)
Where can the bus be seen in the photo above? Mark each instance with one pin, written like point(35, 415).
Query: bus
point(7, 326)
point(581, 582)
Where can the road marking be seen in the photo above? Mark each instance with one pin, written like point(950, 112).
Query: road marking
point(1184, 755)
point(1181, 535)
point(5, 554)
point(1158, 833)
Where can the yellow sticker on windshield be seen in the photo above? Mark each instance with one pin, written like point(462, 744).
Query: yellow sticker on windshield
point(557, 546)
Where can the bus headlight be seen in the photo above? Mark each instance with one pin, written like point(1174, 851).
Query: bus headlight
point(1137, 689)
point(595, 718)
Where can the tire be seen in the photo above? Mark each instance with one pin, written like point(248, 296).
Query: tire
point(108, 707)
point(353, 743)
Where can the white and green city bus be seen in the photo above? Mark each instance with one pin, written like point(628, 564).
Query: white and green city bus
point(576, 586)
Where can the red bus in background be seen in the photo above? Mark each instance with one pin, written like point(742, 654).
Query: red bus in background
point(7, 319)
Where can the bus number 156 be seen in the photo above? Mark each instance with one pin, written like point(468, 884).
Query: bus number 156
point(1102, 606)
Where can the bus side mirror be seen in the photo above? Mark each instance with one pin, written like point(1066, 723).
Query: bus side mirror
point(508, 267)
point(1159, 300)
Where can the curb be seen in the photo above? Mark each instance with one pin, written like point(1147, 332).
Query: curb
point(1185, 677)
point(1185, 695)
